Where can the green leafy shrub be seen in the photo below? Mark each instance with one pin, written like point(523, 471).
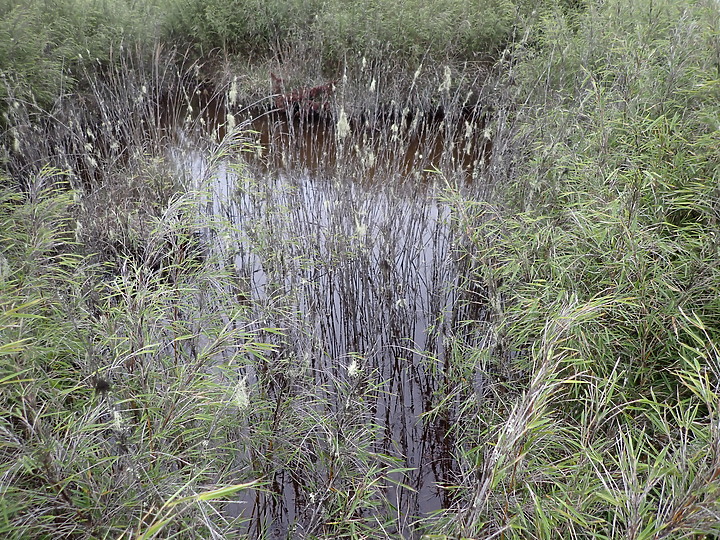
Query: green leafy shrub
point(41, 43)
point(598, 264)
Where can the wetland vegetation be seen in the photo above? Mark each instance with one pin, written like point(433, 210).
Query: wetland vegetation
point(304, 269)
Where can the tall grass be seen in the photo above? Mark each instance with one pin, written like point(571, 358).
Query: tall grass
point(43, 46)
point(157, 396)
point(41, 43)
point(596, 264)
point(442, 28)
point(112, 405)
point(207, 357)
point(341, 243)
point(133, 107)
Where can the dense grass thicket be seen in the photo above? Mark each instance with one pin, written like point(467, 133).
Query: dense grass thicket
point(43, 44)
point(410, 27)
point(599, 262)
point(583, 396)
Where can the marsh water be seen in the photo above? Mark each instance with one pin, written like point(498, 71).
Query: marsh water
point(345, 243)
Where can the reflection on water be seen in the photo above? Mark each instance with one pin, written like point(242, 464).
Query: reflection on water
point(380, 149)
point(351, 244)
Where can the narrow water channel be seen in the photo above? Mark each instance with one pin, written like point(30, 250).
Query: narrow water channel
point(347, 246)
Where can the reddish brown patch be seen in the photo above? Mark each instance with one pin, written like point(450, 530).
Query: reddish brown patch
point(306, 99)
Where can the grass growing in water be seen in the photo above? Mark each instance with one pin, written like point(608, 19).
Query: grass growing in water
point(582, 397)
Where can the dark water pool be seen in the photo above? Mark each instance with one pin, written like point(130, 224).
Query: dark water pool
point(344, 240)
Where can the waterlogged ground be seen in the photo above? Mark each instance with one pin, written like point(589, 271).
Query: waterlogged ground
point(348, 248)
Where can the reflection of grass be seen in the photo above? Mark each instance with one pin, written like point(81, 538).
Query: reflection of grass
point(408, 130)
